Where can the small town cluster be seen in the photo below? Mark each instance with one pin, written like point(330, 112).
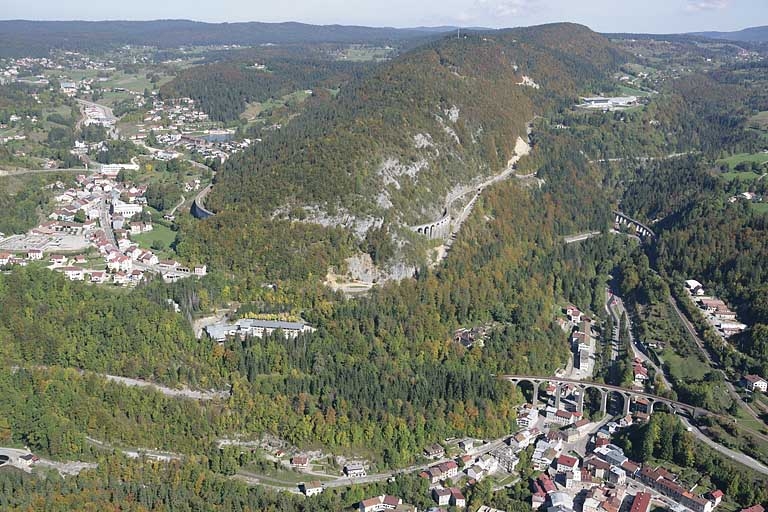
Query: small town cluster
point(178, 125)
point(98, 212)
point(580, 468)
point(718, 313)
point(577, 465)
point(12, 69)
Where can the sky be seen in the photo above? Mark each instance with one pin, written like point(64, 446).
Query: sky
point(645, 16)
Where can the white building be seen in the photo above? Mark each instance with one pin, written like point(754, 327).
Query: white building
point(312, 488)
point(756, 383)
point(259, 328)
point(126, 209)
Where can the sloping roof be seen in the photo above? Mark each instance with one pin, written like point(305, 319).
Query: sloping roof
point(567, 460)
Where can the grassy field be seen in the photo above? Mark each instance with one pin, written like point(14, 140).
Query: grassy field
point(759, 121)
point(682, 367)
point(135, 82)
point(680, 353)
point(160, 232)
point(259, 109)
point(760, 207)
point(365, 54)
point(735, 160)
point(631, 91)
point(72, 74)
point(282, 476)
point(741, 176)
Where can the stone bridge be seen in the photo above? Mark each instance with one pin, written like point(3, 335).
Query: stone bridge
point(641, 229)
point(627, 395)
point(436, 230)
point(198, 210)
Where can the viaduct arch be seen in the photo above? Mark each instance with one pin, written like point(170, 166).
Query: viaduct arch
point(436, 230)
point(641, 229)
point(628, 396)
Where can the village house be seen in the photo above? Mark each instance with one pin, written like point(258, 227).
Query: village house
point(434, 451)
point(545, 452)
point(441, 495)
point(28, 459)
point(121, 278)
point(506, 457)
point(73, 273)
point(716, 497)
point(574, 314)
point(467, 444)
point(380, 503)
point(488, 462)
point(694, 287)
point(475, 472)
point(756, 383)
point(663, 481)
point(58, 260)
point(527, 416)
point(457, 498)
point(355, 469)
point(148, 258)
point(567, 463)
point(641, 502)
point(312, 488)
point(521, 440)
point(300, 462)
point(560, 417)
point(98, 276)
point(611, 454)
point(35, 254)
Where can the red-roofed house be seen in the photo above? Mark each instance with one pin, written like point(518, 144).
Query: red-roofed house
point(754, 508)
point(450, 469)
point(567, 463)
point(716, 497)
point(641, 503)
point(457, 498)
point(58, 260)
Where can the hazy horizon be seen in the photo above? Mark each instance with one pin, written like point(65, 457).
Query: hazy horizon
point(657, 16)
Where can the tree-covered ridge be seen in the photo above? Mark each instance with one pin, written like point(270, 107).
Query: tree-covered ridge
point(48, 320)
point(223, 88)
point(21, 38)
point(460, 95)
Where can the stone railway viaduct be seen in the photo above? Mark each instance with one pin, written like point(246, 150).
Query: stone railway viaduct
point(641, 229)
point(441, 228)
point(606, 390)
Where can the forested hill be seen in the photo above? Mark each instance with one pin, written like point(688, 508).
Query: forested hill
point(23, 38)
point(752, 34)
point(392, 143)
